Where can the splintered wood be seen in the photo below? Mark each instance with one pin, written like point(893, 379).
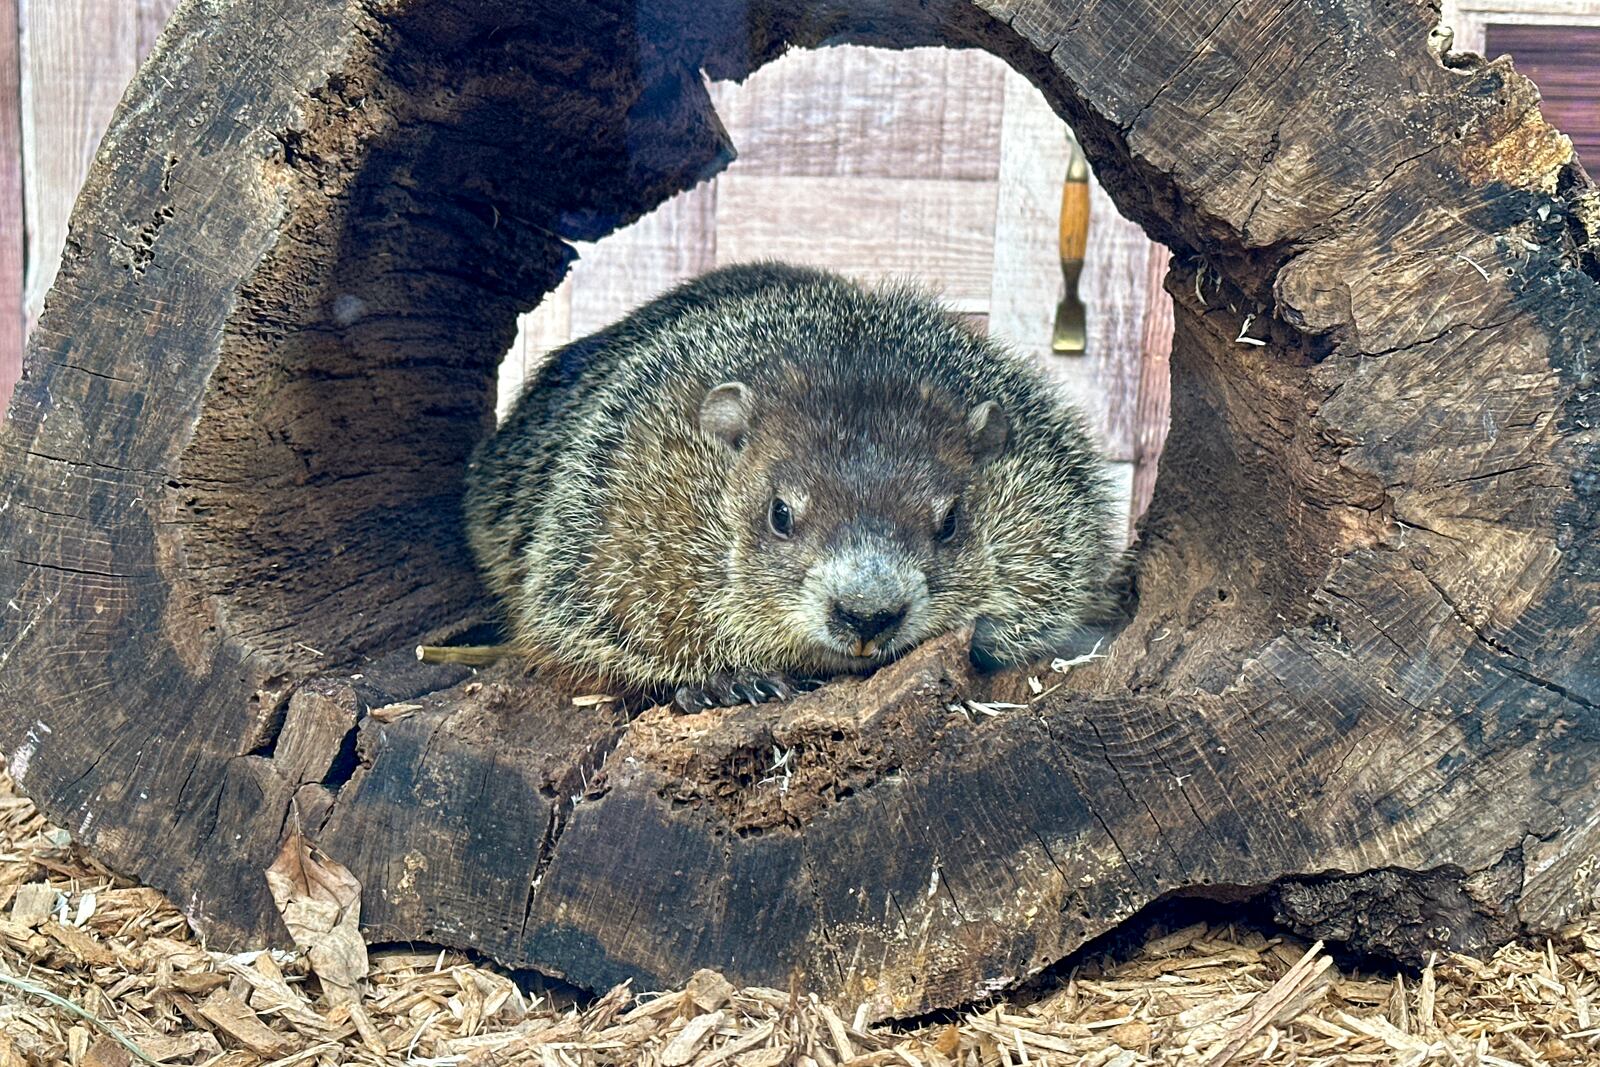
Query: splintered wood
point(98, 973)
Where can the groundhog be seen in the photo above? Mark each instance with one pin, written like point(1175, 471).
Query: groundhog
point(771, 475)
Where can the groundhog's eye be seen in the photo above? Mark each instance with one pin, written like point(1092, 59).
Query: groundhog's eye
point(947, 525)
point(780, 518)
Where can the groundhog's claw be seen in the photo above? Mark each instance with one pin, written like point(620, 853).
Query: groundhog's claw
point(774, 689)
point(728, 690)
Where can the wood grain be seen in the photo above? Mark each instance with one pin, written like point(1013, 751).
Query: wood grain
point(1469, 18)
point(1026, 266)
point(1074, 219)
point(938, 231)
point(1115, 293)
point(78, 56)
point(12, 318)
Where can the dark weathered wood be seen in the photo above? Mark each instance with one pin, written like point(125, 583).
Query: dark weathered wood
point(12, 319)
point(1362, 672)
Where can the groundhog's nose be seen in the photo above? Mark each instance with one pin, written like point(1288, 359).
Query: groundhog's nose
point(869, 628)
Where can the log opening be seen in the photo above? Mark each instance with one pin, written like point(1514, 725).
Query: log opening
point(1365, 640)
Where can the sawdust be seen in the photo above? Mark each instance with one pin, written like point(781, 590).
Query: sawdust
point(98, 972)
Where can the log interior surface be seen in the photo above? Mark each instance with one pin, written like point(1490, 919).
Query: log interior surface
point(1363, 672)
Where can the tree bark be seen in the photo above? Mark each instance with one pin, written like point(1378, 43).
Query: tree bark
point(1362, 676)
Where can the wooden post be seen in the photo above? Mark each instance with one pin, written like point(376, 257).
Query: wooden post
point(1361, 675)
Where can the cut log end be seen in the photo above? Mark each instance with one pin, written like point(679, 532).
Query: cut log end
point(1361, 673)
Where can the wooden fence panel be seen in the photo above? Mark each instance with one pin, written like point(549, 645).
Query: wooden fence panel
point(939, 231)
point(1564, 61)
point(674, 243)
point(1154, 408)
point(865, 112)
point(1026, 259)
point(1115, 294)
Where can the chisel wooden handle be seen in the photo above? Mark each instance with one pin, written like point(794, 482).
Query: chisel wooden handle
point(1074, 217)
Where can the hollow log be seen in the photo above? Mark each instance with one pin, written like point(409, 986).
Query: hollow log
point(1362, 676)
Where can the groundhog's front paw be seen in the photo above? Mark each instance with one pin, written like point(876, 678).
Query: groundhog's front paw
point(726, 689)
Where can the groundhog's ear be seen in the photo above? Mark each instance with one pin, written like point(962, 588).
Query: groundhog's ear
point(725, 414)
point(989, 428)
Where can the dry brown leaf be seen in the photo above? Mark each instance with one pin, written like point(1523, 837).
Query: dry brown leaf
point(320, 902)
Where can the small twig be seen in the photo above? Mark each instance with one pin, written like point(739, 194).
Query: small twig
point(412, 1047)
point(68, 1006)
point(1062, 666)
point(1473, 264)
point(469, 655)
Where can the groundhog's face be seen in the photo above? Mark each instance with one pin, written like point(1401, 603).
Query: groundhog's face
point(850, 517)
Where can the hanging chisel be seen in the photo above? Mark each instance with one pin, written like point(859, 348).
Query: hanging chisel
point(1070, 336)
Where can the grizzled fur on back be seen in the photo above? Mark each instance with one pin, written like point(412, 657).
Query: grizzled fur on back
point(776, 472)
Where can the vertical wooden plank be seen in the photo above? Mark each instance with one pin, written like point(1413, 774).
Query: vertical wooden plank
point(153, 15)
point(1115, 294)
point(1155, 384)
point(77, 58)
point(1104, 381)
point(12, 319)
